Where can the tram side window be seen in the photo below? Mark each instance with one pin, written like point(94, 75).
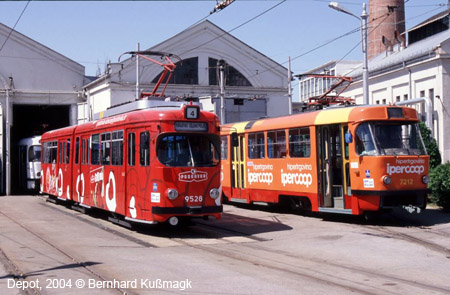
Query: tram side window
point(95, 151)
point(276, 144)
point(54, 151)
point(87, 150)
point(83, 145)
point(68, 151)
point(299, 143)
point(61, 152)
point(256, 145)
point(131, 149)
point(117, 148)
point(77, 150)
point(144, 149)
point(224, 147)
point(106, 148)
point(45, 152)
point(50, 152)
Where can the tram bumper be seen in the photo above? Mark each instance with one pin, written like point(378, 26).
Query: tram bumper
point(187, 210)
point(410, 200)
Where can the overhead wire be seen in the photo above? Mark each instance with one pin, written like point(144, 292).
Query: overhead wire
point(386, 16)
point(235, 28)
point(202, 19)
point(12, 29)
point(348, 33)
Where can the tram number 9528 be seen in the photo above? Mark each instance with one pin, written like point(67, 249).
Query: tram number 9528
point(194, 199)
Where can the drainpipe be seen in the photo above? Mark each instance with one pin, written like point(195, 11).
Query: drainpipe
point(89, 103)
point(409, 79)
point(428, 107)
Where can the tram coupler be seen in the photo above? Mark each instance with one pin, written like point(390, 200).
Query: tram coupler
point(412, 209)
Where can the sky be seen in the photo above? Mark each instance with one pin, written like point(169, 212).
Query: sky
point(95, 32)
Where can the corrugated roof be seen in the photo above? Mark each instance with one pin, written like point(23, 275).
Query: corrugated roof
point(434, 18)
point(423, 48)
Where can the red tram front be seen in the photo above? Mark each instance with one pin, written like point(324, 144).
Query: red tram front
point(151, 165)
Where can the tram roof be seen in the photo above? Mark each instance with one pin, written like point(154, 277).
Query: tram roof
point(159, 114)
point(333, 115)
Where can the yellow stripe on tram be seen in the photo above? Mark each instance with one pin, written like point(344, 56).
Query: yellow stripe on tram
point(238, 127)
point(333, 116)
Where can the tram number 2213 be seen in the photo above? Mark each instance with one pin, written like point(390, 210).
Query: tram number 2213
point(194, 199)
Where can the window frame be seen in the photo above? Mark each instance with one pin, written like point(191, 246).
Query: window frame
point(304, 145)
point(275, 148)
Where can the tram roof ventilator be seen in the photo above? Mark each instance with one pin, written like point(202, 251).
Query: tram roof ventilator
point(142, 105)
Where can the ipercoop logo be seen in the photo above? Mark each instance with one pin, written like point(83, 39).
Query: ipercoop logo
point(411, 169)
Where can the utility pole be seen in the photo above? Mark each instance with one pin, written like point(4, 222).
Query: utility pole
point(8, 140)
point(290, 85)
point(364, 36)
point(364, 32)
point(137, 72)
point(221, 66)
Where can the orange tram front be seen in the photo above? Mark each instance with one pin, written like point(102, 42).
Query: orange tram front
point(351, 160)
point(152, 165)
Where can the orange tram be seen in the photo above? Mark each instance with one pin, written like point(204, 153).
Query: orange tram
point(351, 160)
point(155, 164)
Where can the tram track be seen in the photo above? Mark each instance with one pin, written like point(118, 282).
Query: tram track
point(19, 273)
point(370, 273)
point(16, 273)
point(414, 239)
point(254, 251)
point(328, 268)
point(225, 236)
point(315, 269)
point(272, 265)
point(361, 270)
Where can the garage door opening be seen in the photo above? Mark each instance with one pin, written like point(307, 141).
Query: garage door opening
point(31, 120)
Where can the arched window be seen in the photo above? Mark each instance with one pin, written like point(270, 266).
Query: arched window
point(186, 72)
point(233, 77)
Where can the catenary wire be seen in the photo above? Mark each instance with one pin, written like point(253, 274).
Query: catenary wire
point(12, 29)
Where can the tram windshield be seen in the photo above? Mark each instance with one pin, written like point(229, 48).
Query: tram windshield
point(34, 153)
point(192, 150)
point(391, 139)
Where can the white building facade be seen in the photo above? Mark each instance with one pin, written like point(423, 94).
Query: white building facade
point(256, 85)
point(420, 70)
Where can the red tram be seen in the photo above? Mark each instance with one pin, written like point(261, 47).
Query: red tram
point(350, 160)
point(151, 165)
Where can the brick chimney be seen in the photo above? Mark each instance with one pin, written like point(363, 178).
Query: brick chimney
point(385, 17)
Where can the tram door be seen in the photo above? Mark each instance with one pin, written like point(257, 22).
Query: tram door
point(82, 169)
point(138, 182)
point(238, 168)
point(64, 173)
point(331, 166)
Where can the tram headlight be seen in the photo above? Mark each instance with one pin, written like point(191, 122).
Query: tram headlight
point(425, 179)
point(172, 193)
point(387, 180)
point(214, 193)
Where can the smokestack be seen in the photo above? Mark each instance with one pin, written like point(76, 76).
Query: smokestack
point(385, 18)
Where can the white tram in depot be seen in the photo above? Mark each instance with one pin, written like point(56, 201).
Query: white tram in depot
point(30, 163)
